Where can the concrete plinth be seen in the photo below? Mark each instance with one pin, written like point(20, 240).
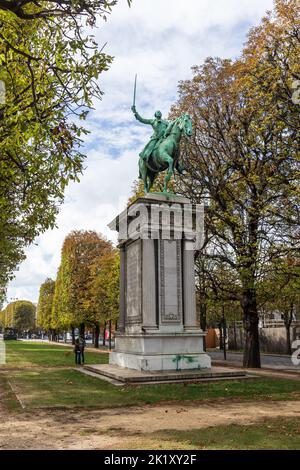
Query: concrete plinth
point(158, 328)
point(160, 343)
point(160, 361)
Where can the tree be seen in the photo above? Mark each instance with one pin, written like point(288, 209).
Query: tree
point(24, 316)
point(72, 304)
point(60, 9)
point(244, 160)
point(105, 288)
point(216, 291)
point(62, 309)
point(8, 314)
point(45, 303)
point(50, 66)
point(1, 320)
point(19, 314)
point(280, 292)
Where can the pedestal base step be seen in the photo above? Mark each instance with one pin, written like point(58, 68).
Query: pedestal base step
point(160, 362)
point(129, 376)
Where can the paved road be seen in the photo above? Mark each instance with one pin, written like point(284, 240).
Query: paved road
point(270, 361)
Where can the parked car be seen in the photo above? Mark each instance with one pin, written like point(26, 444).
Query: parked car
point(10, 333)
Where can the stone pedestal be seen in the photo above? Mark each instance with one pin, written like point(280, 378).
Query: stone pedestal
point(158, 328)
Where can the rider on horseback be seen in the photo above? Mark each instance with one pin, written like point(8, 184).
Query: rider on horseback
point(158, 125)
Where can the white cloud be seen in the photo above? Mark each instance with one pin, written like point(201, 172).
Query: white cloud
point(159, 40)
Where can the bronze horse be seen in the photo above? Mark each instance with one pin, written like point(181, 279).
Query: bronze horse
point(165, 156)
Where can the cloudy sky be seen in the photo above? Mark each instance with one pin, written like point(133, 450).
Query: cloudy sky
point(160, 40)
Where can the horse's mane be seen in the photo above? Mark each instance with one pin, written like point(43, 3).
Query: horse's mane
point(176, 120)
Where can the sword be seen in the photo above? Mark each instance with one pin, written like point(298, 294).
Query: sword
point(134, 91)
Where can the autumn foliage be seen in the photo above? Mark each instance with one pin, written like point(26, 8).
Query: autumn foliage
point(85, 293)
point(243, 162)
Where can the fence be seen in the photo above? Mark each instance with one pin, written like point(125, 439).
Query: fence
point(272, 336)
point(272, 339)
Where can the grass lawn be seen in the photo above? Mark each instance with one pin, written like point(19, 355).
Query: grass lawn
point(269, 434)
point(7, 396)
point(40, 384)
point(42, 375)
point(70, 388)
point(28, 354)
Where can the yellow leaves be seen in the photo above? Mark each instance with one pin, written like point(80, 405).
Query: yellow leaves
point(86, 280)
point(105, 286)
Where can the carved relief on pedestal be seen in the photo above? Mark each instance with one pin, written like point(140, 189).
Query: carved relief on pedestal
point(170, 281)
point(133, 283)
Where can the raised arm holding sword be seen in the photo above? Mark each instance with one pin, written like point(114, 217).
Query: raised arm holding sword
point(162, 152)
point(159, 127)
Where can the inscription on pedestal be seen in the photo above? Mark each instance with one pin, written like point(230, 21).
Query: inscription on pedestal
point(170, 281)
point(133, 283)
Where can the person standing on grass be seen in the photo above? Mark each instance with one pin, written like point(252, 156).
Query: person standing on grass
point(82, 344)
point(77, 352)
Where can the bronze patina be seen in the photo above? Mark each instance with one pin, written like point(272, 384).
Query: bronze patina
point(162, 152)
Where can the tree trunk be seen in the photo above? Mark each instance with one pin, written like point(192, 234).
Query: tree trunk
point(104, 332)
point(109, 338)
point(116, 329)
point(203, 322)
point(251, 349)
point(81, 331)
point(234, 336)
point(221, 337)
point(288, 340)
point(96, 335)
point(288, 319)
point(73, 334)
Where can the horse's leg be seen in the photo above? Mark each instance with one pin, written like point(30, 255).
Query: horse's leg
point(169, 161)
point(143, 174)
point(151, 180)
point(146, 185)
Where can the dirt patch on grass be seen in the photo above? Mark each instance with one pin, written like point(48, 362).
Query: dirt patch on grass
point(118, 428)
